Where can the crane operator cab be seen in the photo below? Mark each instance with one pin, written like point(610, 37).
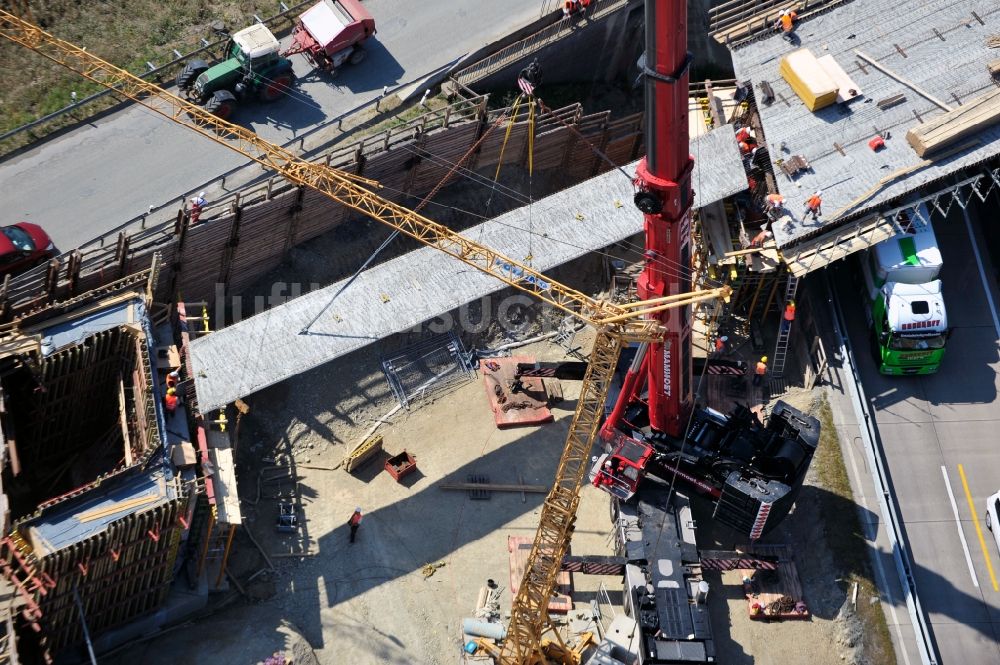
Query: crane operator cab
point(620, 471)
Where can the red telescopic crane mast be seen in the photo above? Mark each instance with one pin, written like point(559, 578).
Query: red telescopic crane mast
point(665, 197)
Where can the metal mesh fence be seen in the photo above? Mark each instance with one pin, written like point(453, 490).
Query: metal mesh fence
point(428, 369)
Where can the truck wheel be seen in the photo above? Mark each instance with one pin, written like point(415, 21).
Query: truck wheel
point(275, 88)
point(357, 56)
point(221, 104)
point(191, 71)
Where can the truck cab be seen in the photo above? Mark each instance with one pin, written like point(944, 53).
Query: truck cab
point(904, 304)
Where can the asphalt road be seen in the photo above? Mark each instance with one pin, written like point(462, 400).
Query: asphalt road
point(940, 435)
point(100, 175)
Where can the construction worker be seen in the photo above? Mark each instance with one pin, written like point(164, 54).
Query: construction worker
point(354, 522)
point(569, 7)
point(786, 21)
point(720, 344)
point(745, 147)
point(583, 6)
point(760, 370)
point(761, 238)
point(814, 205)
point(173, 378)
point(788, 316)
point(774, 205)
point(170, 401)
point(744, 135)
point(197, 203)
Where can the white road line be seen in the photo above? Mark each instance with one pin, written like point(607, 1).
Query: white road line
point(982, 275)
point(883, 584)
point(958, 523)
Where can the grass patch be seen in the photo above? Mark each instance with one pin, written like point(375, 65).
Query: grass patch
point(127, 33)
point(846, 541)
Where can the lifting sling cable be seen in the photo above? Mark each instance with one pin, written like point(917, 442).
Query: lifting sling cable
point(510, 126)
point(531, 153)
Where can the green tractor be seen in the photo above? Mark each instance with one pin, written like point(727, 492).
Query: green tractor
point(253, 68)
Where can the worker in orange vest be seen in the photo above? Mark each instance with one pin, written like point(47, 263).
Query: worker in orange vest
point(744, 134)
point(745, 148)
point(773, 205)
point(170, 400)
point(814, 205)
point(788, 316)
point(720, 344)
point(786, 20)
point(583, 6)
point(354, 522)
point(760, 370)
point(761, 238)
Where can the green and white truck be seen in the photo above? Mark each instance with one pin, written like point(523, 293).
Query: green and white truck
point(904, 303)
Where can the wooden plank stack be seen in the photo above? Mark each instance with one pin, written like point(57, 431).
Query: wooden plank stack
point(947, 129)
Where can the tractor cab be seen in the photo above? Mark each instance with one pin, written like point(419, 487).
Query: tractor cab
point(619, 472)
point(255, 47)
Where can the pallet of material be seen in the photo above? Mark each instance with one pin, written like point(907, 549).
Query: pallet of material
point(775, 595)
point(969, 118)
point(519, 547)
point(808, 79)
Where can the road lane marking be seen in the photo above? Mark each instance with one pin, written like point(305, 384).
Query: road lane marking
point(958, 524)
point(986, 288)
point(979, 529)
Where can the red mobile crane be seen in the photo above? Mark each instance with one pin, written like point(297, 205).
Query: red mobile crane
point(752, 471)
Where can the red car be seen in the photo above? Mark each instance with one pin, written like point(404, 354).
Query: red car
point(23, 246)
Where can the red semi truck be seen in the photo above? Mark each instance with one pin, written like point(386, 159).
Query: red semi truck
point(331, 32)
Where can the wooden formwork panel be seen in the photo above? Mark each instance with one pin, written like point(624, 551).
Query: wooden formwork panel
point(489, 154)
point(581, 161)
point(261, 245)
point(443, 149)
point(550, 148)
point(319, 214)
point(119, 573)
point(621, 151)
point(202, 257)
point(387, 169)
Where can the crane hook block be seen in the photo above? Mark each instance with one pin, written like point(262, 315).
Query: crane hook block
point(532, 73)
point(648, 202)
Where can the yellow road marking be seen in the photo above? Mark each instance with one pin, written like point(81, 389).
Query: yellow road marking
point(979, 530)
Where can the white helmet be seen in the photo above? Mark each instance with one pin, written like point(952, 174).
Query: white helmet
point(819, 192)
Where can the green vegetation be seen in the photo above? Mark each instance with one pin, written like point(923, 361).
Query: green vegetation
point(847, 543)
point(127, 33)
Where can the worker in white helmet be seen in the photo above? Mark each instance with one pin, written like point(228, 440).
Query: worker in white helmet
point(197, 204)
point(354, 521)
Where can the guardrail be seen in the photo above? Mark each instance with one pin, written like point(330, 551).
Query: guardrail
point(152, 71)
point(886, 499)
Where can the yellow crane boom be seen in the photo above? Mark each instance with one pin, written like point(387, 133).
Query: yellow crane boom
point(616, 325)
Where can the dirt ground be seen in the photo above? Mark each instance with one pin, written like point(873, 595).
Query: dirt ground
point(370, 602)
